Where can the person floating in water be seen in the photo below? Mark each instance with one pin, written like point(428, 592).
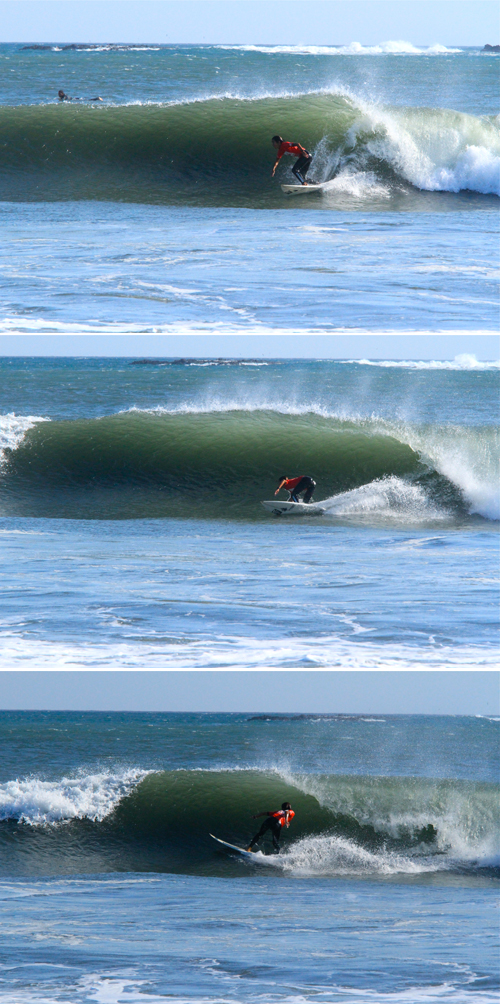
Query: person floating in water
point(276, 821)
point(301, 166)
point(296, 486)
point(65, 97)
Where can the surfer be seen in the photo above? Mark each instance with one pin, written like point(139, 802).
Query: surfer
point(301, 166)
point(65, 97)
point(295, 486)
point(275, 822)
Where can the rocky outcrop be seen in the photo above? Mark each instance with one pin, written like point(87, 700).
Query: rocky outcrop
point(491, 48)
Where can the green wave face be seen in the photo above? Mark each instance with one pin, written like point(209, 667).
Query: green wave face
point(139, 464)
point(187, 152)
point(218, 151)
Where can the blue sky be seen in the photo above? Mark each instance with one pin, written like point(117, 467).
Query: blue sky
point(342, 346)
point(330, 691)
point(290, 22)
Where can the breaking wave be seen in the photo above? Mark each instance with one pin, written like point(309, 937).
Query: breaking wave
point(158, 462)
point(216, 149)
point(344, 825)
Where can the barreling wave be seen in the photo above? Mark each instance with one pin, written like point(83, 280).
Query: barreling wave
point(216, 150)
point(344, 825)
point(226, 458)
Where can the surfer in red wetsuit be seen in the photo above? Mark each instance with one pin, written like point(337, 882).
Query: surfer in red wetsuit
point(276, 822)
point(301, 166)
point(295, 486)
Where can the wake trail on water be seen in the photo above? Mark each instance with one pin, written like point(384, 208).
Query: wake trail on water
point(216, 147)
point(162, 820)
point(143, 463)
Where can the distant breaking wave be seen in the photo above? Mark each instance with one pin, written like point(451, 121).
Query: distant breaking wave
point(461, 362)
point(216, 148)
point(163, 462)
point(398, 48)
point(344, 825)
point(353, 49)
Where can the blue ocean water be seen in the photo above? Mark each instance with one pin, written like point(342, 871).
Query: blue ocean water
point(112, 889)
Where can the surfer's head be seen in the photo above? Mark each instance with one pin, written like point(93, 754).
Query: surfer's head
point(276, 140)
point(286, 805)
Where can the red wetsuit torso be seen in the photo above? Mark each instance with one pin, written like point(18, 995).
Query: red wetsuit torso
point(291, 483)
point(294, 149)
point(281, 816)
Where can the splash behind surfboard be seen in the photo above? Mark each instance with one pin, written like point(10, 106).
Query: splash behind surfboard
point(256, 858)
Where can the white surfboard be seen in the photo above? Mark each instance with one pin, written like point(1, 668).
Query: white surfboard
point(257, 858)
point(302, 189)
point(293, 508)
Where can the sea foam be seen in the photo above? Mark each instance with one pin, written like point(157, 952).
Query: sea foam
point(86, 796)
point(13, 429)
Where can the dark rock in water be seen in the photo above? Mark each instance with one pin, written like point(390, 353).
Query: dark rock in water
point(149, 362)
point(491, 48)
point(302, 718)
point(45, 47)
point(83, 45)
point(193, 362)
